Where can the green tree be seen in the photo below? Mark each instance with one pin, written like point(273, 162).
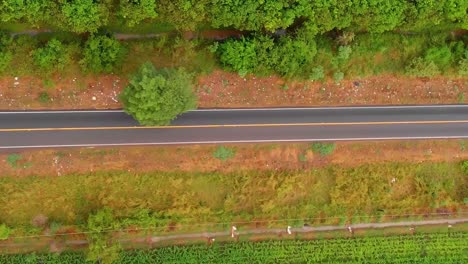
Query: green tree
point(156, 97)
point(378, 16)
point(257, 15)
point(31, 11)
point(52, 56)
point(240, 55)
point(84, 15)
point(102, 54)
point(184, 14)
point(135, 11)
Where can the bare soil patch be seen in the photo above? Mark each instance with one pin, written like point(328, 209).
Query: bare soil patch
point(223, 89)
point(57, 162)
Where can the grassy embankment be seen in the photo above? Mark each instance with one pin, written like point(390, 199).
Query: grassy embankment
point(181, 202)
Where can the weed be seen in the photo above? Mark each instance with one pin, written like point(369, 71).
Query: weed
point(13, 159)
point(225, 83)
point(44, 97)
point(48, 84)
point(284, 87)
point(462, 145)
point(317, 74)
point(302, 157)
point(4, 232)
point(323, 149)
point(338, 76)
point(224, 153)
point(461, 98)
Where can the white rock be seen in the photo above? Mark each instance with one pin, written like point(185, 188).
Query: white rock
point(94, 98)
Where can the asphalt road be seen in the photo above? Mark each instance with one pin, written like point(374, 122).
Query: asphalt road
point(114, 128)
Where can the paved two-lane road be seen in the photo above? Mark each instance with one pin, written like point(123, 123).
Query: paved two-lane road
point(113, 128)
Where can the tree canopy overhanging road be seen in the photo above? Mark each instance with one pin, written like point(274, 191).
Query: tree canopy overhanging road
point(115, 128)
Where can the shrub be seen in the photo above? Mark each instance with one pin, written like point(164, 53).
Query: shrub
point(84, 15)
point(5, 232)
point(422, 68)
point(464, 166)
point(440, 56)
point(338, 76)
point(52, 56)
point(156, 97)
point(317, 74)
point(44, 97)
point(13, 159)
point(5, 60)
point(133, 12)
point(323, 149)
point(224, 153)
point(240, 55)
point(102, 54)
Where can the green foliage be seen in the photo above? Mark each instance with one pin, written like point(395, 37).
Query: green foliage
point(338, 76)
point(84, 15)
point(257, 15)
point(101, 249)
point(184, 14)
point(13, 159)
point(462, 65)
point(419, 248)
point(156, 97)
point(464, 166)
point(44, 97)
point(223, 153)
point(377, 16)
point(239, 54)
point(286, 56)
point(422, 68)
point(323, 149)
point(317, 74)
point(4, 232)
point(5, 55)
point(440, 56)
point(134, 12)
point(102, 54)
point(53, 56)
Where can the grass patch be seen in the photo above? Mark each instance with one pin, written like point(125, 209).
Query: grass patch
point(223, 153)
point(188, 199)
point(324, 149)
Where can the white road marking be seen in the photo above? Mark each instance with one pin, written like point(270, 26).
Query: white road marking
point(233, 142)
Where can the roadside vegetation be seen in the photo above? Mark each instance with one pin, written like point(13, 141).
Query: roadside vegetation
point(184, 200)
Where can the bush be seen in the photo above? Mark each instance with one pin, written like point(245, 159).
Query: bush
point(317, 74)
point(13, 159)
point(240, 55)
point(52, 56)
point(84, 15)
point(156, 97)
point(102, 54)
point(323, 149)
point(422, 68)
point(4, 232)
point(338, 76)
point(464, 166)
point(133, 12)
point(223, 153)
point(440, 56)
